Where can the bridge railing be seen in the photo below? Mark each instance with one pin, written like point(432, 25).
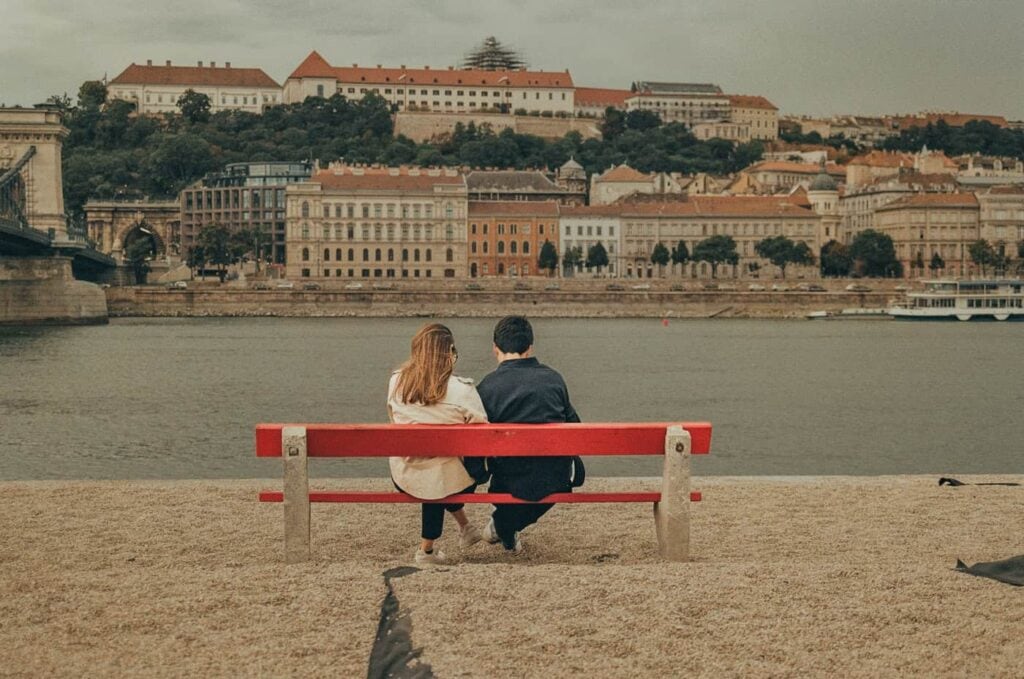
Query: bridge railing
point(13, 195)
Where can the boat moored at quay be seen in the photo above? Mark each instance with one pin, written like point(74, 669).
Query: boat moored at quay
point(963, 300)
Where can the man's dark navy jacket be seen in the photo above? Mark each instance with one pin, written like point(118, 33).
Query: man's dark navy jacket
point(526, 391)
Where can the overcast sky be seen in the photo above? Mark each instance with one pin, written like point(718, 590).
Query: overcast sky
point(807, 56)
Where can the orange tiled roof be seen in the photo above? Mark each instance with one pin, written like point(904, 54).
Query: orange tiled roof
point(623, 173)
point(513, 208)
point(386, 179)
point(884, 159)
point(315, 66)
point(925, 200)
point(611, 210)
point(918, 178)
point(797, 168)
point(751, 101)
point(600, 96)
point(720, 206)
point(200, 76)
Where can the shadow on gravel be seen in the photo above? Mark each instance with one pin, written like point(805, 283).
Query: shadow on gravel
point(393, 655)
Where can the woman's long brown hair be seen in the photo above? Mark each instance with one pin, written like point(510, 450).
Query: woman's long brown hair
point(424, 377)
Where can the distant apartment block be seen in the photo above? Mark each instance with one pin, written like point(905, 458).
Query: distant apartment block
point(585, 226)
point(505, 237)
point(156, 89)
point(447, 90)
point(243, 196)
point(924, 224)
point(775, 175)
point(377, 223)
point(760, 116)
point(591, 102)
point(687, 103)
point(569, 186)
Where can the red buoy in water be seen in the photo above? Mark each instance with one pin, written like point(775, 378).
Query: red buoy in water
point(664, 322)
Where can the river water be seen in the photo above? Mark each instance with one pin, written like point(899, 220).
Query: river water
point(178, 398)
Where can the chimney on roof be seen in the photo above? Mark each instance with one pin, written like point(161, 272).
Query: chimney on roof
point(227, 64)
point(213, 64)
point(199, 64)
point(451, 68)
point(168, 62)
point(149, 62)
point(427, 67)
point(355, 65)
point(402, 66)
point(378, 65)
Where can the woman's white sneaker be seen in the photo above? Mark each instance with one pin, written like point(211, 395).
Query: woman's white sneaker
point(435, 558)
point(491, 533)
point(469, 535)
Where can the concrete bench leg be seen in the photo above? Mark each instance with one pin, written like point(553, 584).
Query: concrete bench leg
point(672, 514)
point(296, 495)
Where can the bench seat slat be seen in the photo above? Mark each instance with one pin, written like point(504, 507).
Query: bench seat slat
point(500, 440)
point(370, 496)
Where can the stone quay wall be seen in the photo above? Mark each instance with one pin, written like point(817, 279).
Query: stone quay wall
point(424, 126)
point(216, 301)
point(42, 290)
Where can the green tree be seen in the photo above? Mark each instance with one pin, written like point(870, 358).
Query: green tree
point(874, 254)
point(982, 254)
point(195, 258)
point(613, 124)
point(937, 262)
point(547, 260)
point(92, 95)
point(572, 258)
point(781, 251)
point(680, 254)
point(835, 259)
point(194, 106)
point(716, 250)
point(137, 255)
point(597, 257)
point(216, 245)
point(177, 160)
point(660, 256)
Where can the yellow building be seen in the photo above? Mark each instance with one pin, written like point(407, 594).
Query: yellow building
point(380, 223)
point(760, 116)
point(923, 224)
point(156, 89)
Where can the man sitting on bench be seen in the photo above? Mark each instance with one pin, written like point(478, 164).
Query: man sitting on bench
point(523, 390)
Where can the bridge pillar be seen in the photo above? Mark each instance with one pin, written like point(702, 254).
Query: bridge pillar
point(21, 129)
point(42, 290)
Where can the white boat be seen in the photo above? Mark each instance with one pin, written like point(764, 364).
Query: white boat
point(964, 300)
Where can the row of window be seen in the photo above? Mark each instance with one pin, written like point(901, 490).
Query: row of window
point(234, 198)
point(513, 229)
point(513, 247)
point(173, 99)
point(408, 210)
point(380, 273)
point(437, 93)
point(485, 270)
point(591, 230)
point(378, 255)
point(726, 229)
point(379, 231)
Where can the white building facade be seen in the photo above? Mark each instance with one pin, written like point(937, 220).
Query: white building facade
point(156, 89)
point(585, 226)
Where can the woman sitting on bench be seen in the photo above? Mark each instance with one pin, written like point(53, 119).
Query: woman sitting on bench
point(424, 391)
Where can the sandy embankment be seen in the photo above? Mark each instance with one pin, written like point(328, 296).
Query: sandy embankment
point(838, 577)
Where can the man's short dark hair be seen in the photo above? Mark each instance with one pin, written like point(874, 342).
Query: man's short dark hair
point(513, 335)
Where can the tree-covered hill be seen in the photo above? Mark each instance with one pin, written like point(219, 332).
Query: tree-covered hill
point(113, 153)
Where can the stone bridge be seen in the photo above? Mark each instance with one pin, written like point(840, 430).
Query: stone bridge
point(41, 252)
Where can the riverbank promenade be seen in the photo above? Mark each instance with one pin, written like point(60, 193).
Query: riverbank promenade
point(813, 576)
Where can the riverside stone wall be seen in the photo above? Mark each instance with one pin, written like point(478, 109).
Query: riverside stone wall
point(42, 290)
point(215, 301)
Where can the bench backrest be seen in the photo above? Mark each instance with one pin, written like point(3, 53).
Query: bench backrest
point(483, 440)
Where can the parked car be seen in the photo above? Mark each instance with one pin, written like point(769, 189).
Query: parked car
point(615, 287)
point(642, 286)
point(727, 286)
point(902, 287)
point(286, 285)
point(552, 286)
point(814, 287)
point(353, 286)
point(857, 287)
point(755, 287)
point(519, 285)
point(178, 285)
point(383, 286)
point(710, 286)
point(677, 287)
point(310, 286)
point(261, 286)
point(780, 287)
point(474, 286)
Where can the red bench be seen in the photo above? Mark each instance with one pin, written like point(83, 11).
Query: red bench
point(296, 443)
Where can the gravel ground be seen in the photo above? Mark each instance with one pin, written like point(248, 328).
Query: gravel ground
point(846, 576)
